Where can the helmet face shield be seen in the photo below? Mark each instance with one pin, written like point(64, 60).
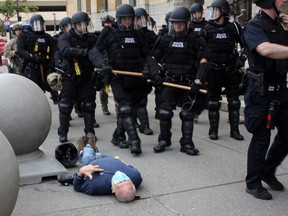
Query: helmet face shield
point(38, 26)
point(178, 29)
point(125, 23)
point(81, 27)
point(197, 16)
point(67, 27)
point(213, 13)
point(143, 22)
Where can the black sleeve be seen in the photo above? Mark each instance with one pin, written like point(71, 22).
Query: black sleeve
point(22, 47)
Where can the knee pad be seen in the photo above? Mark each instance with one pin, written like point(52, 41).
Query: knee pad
point(186, 116)
point(214, 105)
point(89, 106)
point(165, 114)
point(234, 105)
point(125, 110)
point(65, 106)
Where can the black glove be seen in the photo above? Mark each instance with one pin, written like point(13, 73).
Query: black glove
point(157, 81)
point(241, 60)
point(39, 59)
point(146, 74)
point(107, 74)
point(195, 90)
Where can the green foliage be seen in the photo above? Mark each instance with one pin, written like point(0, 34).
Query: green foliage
point(9, 8)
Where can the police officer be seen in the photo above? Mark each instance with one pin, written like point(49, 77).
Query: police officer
point(64, 26)
point(197, 23)
point(219, 39)
point(178, 51)
point(126, 51)
point(266, 97)
point(10, 50)
point(144, 26)
point(165, 28)
point(77, 84)
point(36, 48)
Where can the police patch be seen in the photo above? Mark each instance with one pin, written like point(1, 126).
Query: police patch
point(221, 36)
point(129, 40)
point(177, 44)
point(41, 40)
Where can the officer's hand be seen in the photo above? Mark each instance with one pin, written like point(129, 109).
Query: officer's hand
point(195, 90)
point(146, 73)
point(39, 59)
point(157, 81)
point(106, 73)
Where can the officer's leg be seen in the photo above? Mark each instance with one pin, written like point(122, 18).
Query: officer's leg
point(104, 101)
point(187, 145)
point(233, 108)
point(79, 108)
point(54, 96)
point(126, 113)
point(119, 137)
point(65, 107)
point(142, 115)
point(214, 115)
point(89, 106)
point(164, 139)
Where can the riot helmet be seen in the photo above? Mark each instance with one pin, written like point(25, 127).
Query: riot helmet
point(17, 26)
point(266, 4)
point(65, 24)
point(196, 11)
point(107, 20)
point(167, 16)
point(66, 154)
point(80, 22)
point(142, 18)
point(217, 9)
point(125, 15)
point(179, 22)
point(37, 23)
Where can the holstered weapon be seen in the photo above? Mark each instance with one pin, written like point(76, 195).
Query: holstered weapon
point(258, 81)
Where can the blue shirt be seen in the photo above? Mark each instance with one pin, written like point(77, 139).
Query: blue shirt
point(101, 182)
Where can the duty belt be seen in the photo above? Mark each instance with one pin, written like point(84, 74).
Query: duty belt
point(271, 87)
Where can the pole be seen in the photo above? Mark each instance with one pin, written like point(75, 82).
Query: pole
point(204, 91)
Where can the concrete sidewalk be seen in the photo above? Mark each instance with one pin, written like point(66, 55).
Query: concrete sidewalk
point(174, 183)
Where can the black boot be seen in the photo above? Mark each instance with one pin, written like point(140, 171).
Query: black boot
point(64, 119)
point(89, 118)
point(164, 139)
point(187, 127)
point(214, 124)
point(234, 124)
point(119, 138)
point(134, 140)
point(142, 115)
point(62, 134)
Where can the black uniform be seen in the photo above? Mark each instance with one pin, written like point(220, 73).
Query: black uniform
point(261, 98)
point(78, 82)
point(126, 51)
point(219, 42)
point(37, 52)
point(179, 55)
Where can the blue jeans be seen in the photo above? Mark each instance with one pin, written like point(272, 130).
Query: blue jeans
point(88, 154)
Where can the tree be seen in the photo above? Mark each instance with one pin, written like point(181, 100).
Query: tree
point(10, 8)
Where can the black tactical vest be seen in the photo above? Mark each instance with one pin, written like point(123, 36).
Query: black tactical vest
point(125, 50)
point(39, 44)
point(220, 42)
point(86, 41)
point(274, 70)
point(180, 54)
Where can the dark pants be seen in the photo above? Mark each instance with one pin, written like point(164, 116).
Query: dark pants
point(262, 160)
point(72, 92)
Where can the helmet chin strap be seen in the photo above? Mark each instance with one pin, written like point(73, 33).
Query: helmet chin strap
point(276, 10)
